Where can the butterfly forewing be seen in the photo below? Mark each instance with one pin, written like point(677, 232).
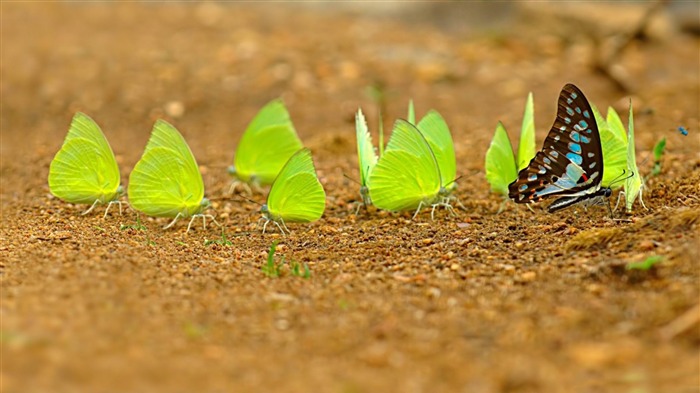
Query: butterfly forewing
point(571, 160)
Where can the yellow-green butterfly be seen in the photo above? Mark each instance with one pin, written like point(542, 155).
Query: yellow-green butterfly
point(501, 165)
point(84, 170)
point(265, 147)
point(408, 175)
point(296, 194)
point(166, 181)
point(366, 155)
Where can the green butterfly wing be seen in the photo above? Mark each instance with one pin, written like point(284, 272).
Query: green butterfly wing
point(411, 113)
point(407, 173)
point(266, 145)
point(366, 155)
point(633, 184)
point(297, 195)
point(500, 162)
point(84, 170)
point(435, 130)
point(166, 181)
point(526, 147)
point(614, 145)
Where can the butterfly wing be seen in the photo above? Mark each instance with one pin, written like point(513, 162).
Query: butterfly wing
point(633, 183)
point(266, 145)
point(166, 180)
point(407, 173)
point(500, 162)
point(571, 160)
point(297, 195)
point(613, 142)
point(526, 147)
point(366, 155)
point(84, 169)
point(435, 130)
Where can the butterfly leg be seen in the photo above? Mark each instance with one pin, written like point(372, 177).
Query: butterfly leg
point(619, 195)
point(97, 201)
point(285, 226)
point(174, 221)
point(420, 206)
point(214, 220)
point(192, 220)
point(280, 228)
point(265, 224)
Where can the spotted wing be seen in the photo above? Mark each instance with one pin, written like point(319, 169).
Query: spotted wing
point(571, 160)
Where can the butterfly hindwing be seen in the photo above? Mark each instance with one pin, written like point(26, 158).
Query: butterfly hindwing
point(297, 195)
point(571, 160)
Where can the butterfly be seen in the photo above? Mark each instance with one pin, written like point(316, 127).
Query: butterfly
point(683, 130)
point(570, 164)
point(166, 181)
point(409, 174)
point(501, 164)
point(296, 194)
point(266, 145)
point(84, 170)
point(366, 156)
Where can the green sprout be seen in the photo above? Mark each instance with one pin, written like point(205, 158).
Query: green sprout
point(273, 269)
point(138, 226)
point(645, 264)
point(223, 241)
point(659, 149)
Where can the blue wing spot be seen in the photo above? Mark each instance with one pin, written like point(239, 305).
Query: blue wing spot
point(562, 128)
point(546, 160)
point(575, 136)
point(586, 114)
point(575, 158)
point(575, 147)
point(592, 165)
point(583, 124)
point(532, 177)
point(567, 120)
point(585, 139)
point(554, 154)
point(569, 101)
point(522, 187)
point(589, 131)
point(556, 138)
point(569, 111)
point(542, 170)
point(578, 110)
point(574, 95)
point(590, 155)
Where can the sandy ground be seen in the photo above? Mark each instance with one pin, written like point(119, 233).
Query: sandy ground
point(482, 302)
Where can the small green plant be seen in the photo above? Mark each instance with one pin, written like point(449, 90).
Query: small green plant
point(501, 164)
point(223, 241)
point(149, 242)
point(296, 270)
point(659, 149)
point(645, 264)
point(137, 227)
point(273, 269)
point(100, 229)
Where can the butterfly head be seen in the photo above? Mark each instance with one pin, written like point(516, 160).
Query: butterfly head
point(364, 192)
point(231, 170)
point(204, 204)
point(120, 192)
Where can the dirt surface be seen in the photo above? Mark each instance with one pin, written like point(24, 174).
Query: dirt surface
point(519, 301)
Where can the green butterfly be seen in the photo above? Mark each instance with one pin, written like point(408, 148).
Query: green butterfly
point(409, 175)
point(501, 165)
point(367, 157)
point(296, 194)
point(265, 147)
point(619, 156)
point(166, 181)
point(84, 170)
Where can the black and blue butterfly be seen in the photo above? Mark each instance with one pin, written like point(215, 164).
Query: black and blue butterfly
point(570, 164)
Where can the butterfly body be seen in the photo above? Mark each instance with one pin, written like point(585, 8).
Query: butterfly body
point(166, 181)
point(266, 145)
point(570, 164)
point(85, 170)
point(296, 194)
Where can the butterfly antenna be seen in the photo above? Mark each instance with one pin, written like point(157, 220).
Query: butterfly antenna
point(351, 179)
point(250, 200)
point(620, 178)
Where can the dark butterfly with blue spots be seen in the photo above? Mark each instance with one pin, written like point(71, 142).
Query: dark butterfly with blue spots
point(570, 164)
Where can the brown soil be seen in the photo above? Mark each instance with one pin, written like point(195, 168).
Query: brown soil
point(484, 302)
